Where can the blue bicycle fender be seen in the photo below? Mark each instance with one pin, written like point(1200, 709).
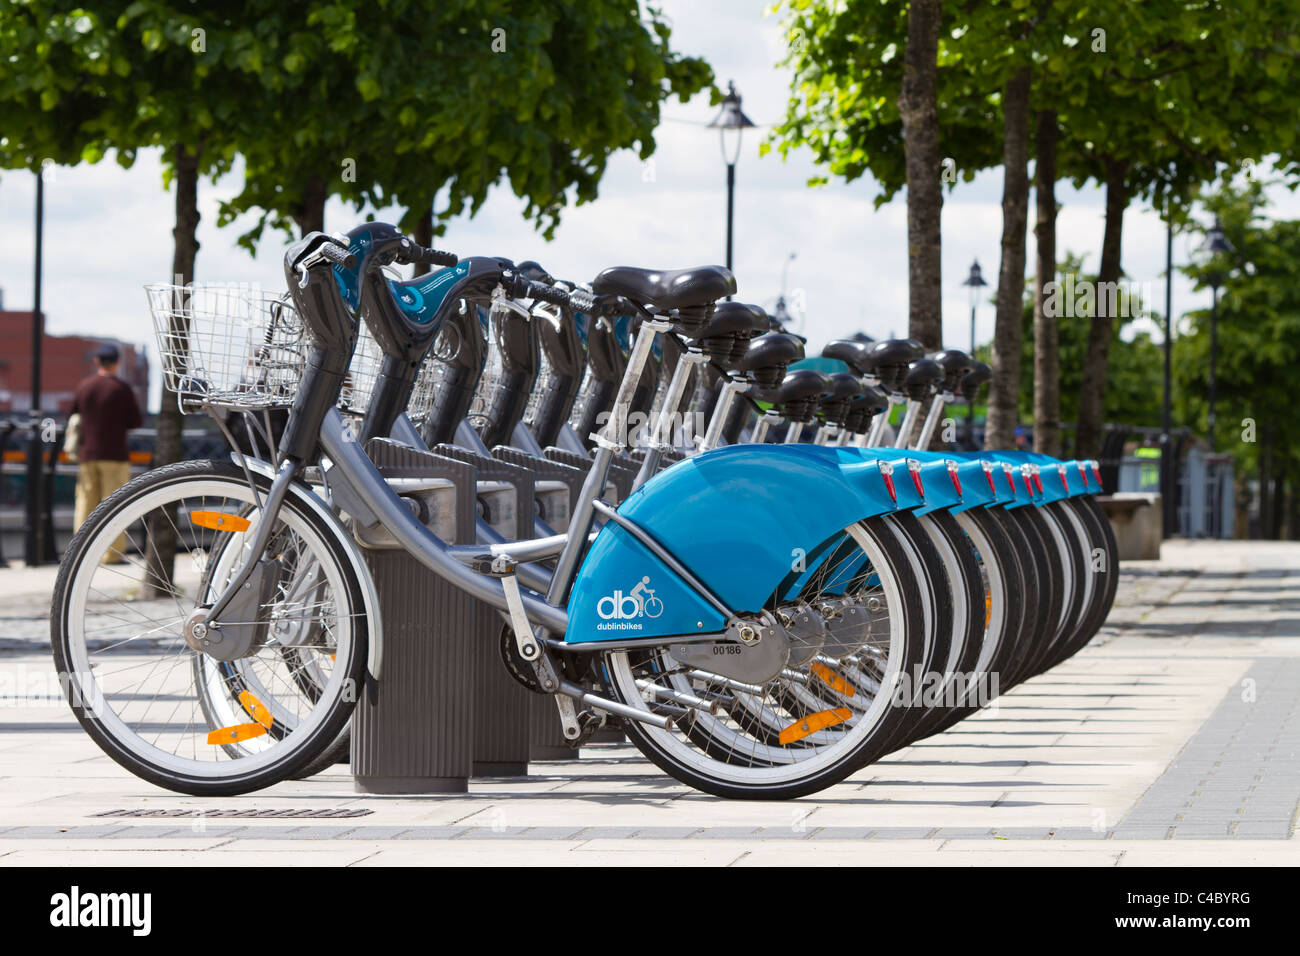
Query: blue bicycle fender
point(947, 482)
point(740, 518)
point(1026, 486)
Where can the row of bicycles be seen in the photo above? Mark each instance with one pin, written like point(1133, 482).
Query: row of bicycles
point(768, 576)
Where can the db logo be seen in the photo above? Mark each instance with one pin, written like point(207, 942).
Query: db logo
point(639, 602)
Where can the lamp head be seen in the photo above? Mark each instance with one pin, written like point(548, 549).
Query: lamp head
point(731, 119)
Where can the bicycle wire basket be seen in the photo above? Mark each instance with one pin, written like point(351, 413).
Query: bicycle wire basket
point(489, 382)
point(430, 381)
point(363, 374)
point(228, 346)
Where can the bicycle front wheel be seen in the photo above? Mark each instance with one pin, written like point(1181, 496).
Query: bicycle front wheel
point(185, 718)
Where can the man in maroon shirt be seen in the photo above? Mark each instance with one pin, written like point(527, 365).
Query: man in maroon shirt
point(108, 410)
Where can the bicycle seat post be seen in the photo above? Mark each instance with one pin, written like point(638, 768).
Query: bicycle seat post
point(766, 421)
point(931, 420)
point(660, 437)
point(609, 440)
point(731, 387)
point(954, 365)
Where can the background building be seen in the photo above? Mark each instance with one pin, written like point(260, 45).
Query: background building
point(65, 361)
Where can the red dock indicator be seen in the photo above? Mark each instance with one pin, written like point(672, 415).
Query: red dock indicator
point(988, 473)
point(914, 467)
point(887, 473)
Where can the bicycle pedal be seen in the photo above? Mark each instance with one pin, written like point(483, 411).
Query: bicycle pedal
point(569, 720)
point(589, 723)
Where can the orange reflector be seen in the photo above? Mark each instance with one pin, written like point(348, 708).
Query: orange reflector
point(988, 607)
point(233, 735)
point(255, 708)
point(813, 723)
point(218, 521)
point(831, 679)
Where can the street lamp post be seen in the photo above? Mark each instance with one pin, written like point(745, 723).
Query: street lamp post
point(1167, 464)
point(731, 122)
point(35, 547)
point(974, 282)
point(1215, 244)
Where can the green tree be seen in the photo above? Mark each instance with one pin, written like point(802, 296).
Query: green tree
point(1135, 369)
point(1258, 353)
point(1187, 88)
point(863, 73)
point(441, 101)
point(123, 76)
point(419, 97)
point(1141, 98)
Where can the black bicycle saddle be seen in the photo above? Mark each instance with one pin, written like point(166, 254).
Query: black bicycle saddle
point(851, 353)
point(740, 344)
point(889, 360)
point(871, 398)
point(768, 356)
point(894, 352)
point(667, 288)
point(729, 329)
point(863, 408)
point(835, 406)
point(973, 380)
point(922, 376)
point(955, 364)
point(799, 392)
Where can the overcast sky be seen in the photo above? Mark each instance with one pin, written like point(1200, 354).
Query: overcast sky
point(108, 230)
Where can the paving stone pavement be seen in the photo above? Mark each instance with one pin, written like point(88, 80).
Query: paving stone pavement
point(1173, 738)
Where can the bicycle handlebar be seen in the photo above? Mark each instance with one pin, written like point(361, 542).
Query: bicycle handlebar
point(411, 253)
point(579, 300)
point(337, 254)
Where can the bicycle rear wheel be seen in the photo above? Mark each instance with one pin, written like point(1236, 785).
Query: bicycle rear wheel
point(867, 569)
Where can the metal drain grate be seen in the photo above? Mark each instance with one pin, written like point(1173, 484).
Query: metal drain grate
point(315, 814)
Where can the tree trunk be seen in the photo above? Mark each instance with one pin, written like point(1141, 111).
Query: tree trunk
point(1092, 393)
point(1047, 353)
point(161, 536)
point(1293, 511)
point(1004, 389)
point(919, 110)
point(423, 235)
point(424, 228)
point(1279, 501)
point(310, 215)
point(1263, 520)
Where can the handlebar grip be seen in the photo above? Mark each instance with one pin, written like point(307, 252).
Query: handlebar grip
point(436, 257)
point(549, 293)
point(582, 301)
point(339, 255)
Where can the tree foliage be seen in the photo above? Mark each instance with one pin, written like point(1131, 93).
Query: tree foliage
point(1136, 360)
point(415, 101)
point(1258, 348)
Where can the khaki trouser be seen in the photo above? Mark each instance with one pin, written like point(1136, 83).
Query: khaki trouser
point(96, 480)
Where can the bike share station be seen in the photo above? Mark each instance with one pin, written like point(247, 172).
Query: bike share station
point(467, 572)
